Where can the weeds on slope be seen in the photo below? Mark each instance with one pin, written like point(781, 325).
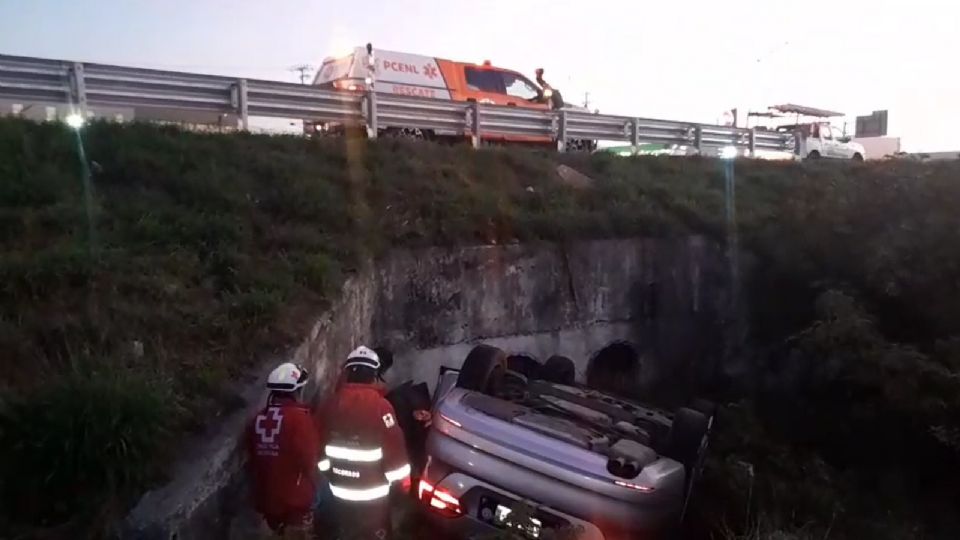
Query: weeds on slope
point(78, 447)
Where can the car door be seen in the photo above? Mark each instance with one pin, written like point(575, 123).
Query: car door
point(486, 84)
point(828, 143)
point(842, 144)
point(445, 382)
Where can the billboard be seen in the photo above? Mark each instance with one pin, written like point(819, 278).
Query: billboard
point(874, 125)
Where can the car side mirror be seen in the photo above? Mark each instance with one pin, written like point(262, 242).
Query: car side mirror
point(845, 139)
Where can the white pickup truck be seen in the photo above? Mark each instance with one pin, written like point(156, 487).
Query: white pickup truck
point(821, 140)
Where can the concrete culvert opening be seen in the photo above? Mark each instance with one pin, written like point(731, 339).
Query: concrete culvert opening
point(615, 369)
point(560, 370)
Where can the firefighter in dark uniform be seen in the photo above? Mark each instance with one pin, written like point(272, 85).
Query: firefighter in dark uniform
point(364, 449)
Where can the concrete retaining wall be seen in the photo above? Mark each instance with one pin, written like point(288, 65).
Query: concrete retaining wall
point(208, 497)
point(668, 296)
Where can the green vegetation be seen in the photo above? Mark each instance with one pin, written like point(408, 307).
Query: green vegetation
point(849, 404)
point(211, 251)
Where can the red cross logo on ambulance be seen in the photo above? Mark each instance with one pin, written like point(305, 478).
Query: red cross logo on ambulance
point(430, 71)
point(268, 425)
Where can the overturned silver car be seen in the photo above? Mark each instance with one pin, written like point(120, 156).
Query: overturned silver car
point(542, 455)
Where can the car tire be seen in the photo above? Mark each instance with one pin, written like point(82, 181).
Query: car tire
point(483, 365)
point(559, 369)
point(687, 437)
point(858, 157)
point(707, 407)
point(415, 134)
point(813, 155)
point(687, 442)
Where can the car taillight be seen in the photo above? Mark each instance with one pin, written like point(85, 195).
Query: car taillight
point(350, 86)
point(451, 420)
point(439, 500)
point(425, 488)
point(645, 489)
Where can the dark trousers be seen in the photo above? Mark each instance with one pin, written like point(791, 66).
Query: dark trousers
point(363, 520)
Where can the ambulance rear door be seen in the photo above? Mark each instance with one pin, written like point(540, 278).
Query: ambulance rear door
point(343, 73)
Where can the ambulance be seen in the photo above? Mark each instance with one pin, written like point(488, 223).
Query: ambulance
point(428, 77)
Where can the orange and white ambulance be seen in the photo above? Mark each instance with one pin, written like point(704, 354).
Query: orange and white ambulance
point(429, 77)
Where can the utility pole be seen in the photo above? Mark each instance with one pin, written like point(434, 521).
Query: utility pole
point(586, 100)
point(304, 71)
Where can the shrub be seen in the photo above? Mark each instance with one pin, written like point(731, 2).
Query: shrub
point(79, 445)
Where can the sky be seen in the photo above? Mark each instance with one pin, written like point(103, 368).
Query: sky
point(674, 60)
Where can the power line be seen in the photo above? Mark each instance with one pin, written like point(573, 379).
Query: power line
point(304, 71)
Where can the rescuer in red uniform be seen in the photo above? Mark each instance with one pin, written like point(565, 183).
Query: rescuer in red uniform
point(364, 449)
point(285, 448)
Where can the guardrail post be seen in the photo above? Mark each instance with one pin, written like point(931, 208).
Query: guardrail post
point(753, 142)
point(562, 132)
point(372, 121)
point(635, 126)
point(473, 112)
point(238, 99)
point(698, 139)
point(78, 88)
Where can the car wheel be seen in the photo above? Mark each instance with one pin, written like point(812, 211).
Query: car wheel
point(687, 442)
point(481, 368)
point(813, 155)
point(688, 437)
point(560, 370)
point(407, 133)
point(707, 407)
point(858, 157)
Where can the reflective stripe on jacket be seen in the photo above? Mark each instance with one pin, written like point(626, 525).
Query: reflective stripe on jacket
point(364, 450)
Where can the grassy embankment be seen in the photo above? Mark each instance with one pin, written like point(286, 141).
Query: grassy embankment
point(211, 251)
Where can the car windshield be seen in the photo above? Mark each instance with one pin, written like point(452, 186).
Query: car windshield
point(520, 87)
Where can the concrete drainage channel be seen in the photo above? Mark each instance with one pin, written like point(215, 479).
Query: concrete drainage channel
point(431, 306)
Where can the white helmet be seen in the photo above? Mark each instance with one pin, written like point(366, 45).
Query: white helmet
point(287, 377)
point(363, 356)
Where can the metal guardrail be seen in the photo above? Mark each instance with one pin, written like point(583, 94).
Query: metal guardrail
point(87, 86)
